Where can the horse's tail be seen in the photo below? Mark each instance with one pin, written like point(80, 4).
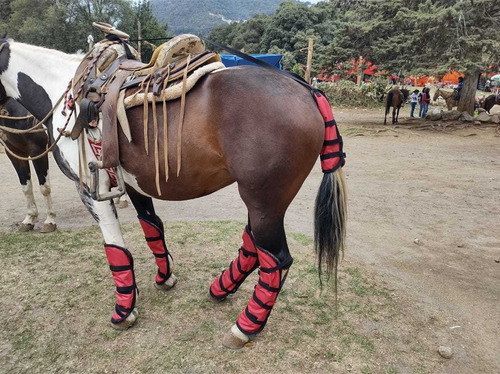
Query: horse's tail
point(330, 217)
point(330, 211)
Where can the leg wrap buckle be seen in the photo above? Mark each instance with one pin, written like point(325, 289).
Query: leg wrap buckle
point(272, 276)
point(121, 265)
point(156, 242)
point(239, 269)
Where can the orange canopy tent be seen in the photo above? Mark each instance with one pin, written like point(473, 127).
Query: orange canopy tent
point(452, 77)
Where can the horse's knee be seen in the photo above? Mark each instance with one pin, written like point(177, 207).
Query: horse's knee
point(45, 189)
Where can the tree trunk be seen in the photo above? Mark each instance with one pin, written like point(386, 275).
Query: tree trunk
point(468, 96)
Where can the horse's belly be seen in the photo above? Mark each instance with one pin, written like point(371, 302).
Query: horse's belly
point(194, 180)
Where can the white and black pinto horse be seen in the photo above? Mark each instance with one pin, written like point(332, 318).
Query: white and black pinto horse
point(233, 134)
point(27, 145)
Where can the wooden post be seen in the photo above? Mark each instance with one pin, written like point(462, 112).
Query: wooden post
point(309, 60)
point(139, 37)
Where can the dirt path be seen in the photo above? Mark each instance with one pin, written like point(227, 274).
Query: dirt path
point(440, 188)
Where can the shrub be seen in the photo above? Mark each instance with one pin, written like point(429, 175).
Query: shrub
point(347, 93)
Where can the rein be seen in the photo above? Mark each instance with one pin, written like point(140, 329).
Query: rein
point(36, 129)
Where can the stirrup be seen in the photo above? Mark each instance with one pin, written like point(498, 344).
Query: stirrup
point(94, 184)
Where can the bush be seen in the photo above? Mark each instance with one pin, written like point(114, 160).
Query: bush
point(347, 93)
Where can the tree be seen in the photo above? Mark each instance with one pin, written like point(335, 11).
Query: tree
point(65, 24)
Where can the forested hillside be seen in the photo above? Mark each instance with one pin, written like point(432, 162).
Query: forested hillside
point(200, 16)
point(406, 37)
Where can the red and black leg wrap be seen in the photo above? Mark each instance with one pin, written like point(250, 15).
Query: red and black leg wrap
point(156, 242)
point(332, 154)
point(272, 276)
point(240, 268)
point(121, 264)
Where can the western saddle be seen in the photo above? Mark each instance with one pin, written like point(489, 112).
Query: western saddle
point(112, 67)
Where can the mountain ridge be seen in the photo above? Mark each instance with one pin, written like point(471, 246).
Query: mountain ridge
point(200, 16)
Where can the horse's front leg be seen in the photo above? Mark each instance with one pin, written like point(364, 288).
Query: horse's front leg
point(154, 234)
point(42, 171)
point(120, 260)
point(24, 176)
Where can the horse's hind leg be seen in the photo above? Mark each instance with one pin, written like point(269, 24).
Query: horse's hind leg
point(42, 171)
point(241, 267)
point(274, 260)
point(24, 175)
point(155, 238)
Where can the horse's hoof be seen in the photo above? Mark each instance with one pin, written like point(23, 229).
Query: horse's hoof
point(216, 299)
point(123, 204)
point(169, 283)
point(235, 339)
point(48, 227)
point(25, 227)
point(127, 322)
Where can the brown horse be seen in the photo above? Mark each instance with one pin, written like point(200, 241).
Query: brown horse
point(448, 96)
point(490, 101)
point(248, 125)
point(395, 100)
point(26, 145)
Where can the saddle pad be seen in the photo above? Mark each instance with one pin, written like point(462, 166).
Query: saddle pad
point(174, 89)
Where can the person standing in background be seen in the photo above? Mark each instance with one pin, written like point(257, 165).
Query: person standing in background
point(426, 99)
point(413, 102)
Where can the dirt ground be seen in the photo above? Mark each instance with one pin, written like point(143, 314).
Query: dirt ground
point(424, 213)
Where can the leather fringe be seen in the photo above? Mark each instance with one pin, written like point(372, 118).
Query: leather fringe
point(145, 116)
point(165, 123)
point(181, 116)
point(157, 161)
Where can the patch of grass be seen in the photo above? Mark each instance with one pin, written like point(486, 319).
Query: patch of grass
point(25, 341)
point(302, 239)
point(58, 296)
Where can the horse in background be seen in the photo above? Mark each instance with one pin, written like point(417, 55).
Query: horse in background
point(406, 94)
point(20, 146)
point(394, 99)
point(448, 96)
point(490, 101)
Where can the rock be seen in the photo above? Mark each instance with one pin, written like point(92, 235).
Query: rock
point(477, 123)
point(495, 118)
point(445, 352)
point(416, 241)
point(466, 117)
point(481, 110)
point(434, 116)
point(483, 117)
point(451, 115)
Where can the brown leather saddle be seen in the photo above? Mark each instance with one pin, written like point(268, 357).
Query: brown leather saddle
point(113, 66)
